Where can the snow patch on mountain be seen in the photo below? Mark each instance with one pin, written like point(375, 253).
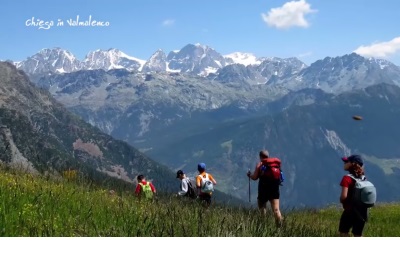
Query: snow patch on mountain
point(111, 59)
point(243, 58)
point(54, 60)
point(145, 120)
point(156, 63)
point(336, 143)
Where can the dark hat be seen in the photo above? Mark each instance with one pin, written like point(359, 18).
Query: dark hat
point(201, 166)
point(179, 172)
point(354, 159)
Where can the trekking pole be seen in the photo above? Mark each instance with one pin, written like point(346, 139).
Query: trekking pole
point(249, 185)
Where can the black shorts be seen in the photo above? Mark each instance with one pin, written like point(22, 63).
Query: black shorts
point(354, 220)
point(268, 192)
point(205, 197)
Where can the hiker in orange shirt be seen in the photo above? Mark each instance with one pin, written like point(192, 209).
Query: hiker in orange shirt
point(205, 184)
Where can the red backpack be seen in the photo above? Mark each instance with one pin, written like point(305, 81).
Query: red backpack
point(271, 168)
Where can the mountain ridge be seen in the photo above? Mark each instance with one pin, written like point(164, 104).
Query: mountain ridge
point(201, 59)
point(138, 106)
point(39, 134)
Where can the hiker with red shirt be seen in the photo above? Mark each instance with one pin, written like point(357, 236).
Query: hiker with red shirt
point(268, 189)
point(352, 216)
point(142, 183)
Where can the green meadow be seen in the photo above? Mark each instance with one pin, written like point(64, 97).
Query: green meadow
point(37, 206)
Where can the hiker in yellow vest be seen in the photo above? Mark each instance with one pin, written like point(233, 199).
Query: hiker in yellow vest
point(144, 189)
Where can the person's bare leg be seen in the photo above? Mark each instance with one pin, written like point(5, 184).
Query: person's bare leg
point(276, 211)
point(262, 207)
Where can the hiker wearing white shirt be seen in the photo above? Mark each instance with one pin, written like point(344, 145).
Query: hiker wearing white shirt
point(186, 187)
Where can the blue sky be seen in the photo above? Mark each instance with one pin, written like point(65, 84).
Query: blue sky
point(307, 29)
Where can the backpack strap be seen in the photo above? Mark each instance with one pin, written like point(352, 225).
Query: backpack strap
point(205, 178)
point(356, 179)
point(189, 182)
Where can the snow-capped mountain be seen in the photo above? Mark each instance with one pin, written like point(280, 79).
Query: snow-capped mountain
point(278, 67)
point(239, 74)
point(58, 60)
point(111, 59)
point(342, 73)
point(99, 92)
point(156, 63)
point(54, 60)
point(247, 69)
point(243, 69)
point(197, 59)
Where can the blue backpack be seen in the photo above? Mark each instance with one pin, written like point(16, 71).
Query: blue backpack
point(364, 192)
point(282, 179)
point(206, 185)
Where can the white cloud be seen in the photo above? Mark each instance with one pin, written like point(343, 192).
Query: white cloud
point(291, 14)
point(380, 49)
point(168, 22)
point(306, 54)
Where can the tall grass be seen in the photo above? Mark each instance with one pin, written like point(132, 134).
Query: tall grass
point(33, 206)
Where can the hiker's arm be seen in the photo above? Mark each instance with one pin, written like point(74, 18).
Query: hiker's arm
point(343, 195)
point(184, 189)
point(153, 189)
point(345, 184)
point(137, 190)
point(198, 184)
point(213, 180)
point(254, 176)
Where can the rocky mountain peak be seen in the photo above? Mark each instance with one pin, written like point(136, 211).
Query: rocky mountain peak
point(54, 60)
point(197, 59)
point(156, 63)
point(111, 59)
point(342, 73)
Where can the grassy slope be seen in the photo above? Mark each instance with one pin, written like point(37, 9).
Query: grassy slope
point(33, 206)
